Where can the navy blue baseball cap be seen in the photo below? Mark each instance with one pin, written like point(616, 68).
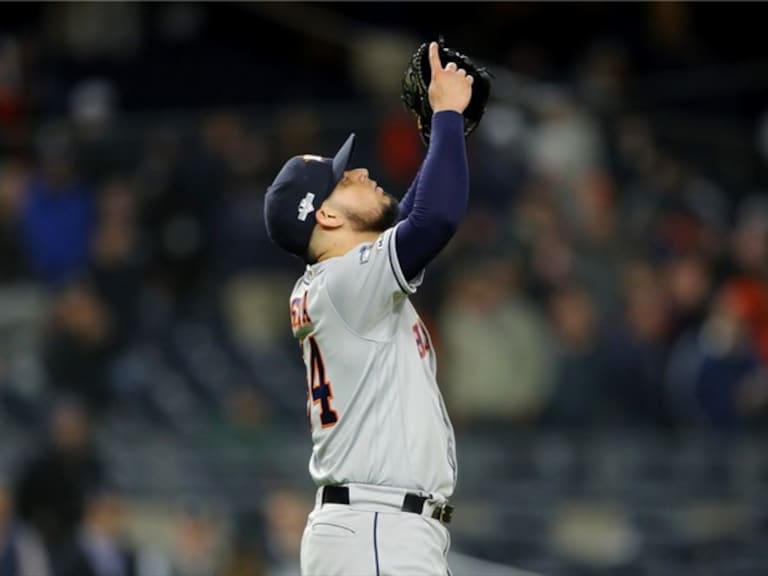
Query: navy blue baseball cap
point(301, 186)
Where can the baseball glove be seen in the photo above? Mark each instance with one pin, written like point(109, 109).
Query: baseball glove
point(415, 86)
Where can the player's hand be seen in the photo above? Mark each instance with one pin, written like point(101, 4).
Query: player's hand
point(450, 87)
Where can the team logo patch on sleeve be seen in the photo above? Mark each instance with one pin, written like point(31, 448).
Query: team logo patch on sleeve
point(365, 253)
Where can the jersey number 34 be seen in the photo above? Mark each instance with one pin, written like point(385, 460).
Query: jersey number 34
point(319, 388)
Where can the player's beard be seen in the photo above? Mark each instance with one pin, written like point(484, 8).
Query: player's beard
point(385, 219)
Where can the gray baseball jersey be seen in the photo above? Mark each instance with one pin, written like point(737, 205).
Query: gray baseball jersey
point(376, 413)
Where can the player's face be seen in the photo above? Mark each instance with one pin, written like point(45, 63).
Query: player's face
point(365, 204)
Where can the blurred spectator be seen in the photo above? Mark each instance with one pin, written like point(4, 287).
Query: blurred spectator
point(750, 300)
point(117, 262)
point(498, 160)
point(715, 378)
point(21, 551)
point(565, 145)
point(251, 274)
point(498, 350)
point(100, 548)
point(57, 216)
point(200, 543)
point(181, 189)
point(604, 72)
point(94, 117)
point(688, 282)
point(51, 485)
point(636, 350)
point(684, 212)
point(286, 511)
point(248, 554)
point(581, 385)
point(23, 314)
point(254, 312)
point(749, 273)
point(539, 230)
point(599, 248)
point(635, 163)
point(749, 239)
point(241, 242)
point(13, 177)
point(77, 347)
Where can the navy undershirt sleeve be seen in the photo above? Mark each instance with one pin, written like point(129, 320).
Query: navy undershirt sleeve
point(439, 197)
point(406, 203)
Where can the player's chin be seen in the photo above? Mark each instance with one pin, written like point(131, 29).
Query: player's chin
point(390, 202)
point(388, 217)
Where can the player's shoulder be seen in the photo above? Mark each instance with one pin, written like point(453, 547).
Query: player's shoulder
point(303, 282)
point(366, 252)
point(356, 263)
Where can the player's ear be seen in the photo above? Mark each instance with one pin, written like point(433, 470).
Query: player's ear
point(328, 218)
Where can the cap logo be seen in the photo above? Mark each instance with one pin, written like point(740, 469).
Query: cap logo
point(306, 206)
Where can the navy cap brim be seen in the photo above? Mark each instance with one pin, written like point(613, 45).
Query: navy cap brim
point(342, 158)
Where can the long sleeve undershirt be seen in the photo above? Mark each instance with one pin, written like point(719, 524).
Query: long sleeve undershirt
point(435, 203)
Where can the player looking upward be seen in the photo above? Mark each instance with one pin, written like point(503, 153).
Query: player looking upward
point(383, 455)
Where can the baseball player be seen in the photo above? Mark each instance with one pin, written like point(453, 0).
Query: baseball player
point(383, 453)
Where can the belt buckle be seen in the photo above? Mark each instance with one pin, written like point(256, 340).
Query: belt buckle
point(443, 513)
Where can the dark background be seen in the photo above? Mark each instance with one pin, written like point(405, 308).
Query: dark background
point(600, 319)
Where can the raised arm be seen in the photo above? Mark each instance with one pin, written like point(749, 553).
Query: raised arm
point(442, 186)
point(406, 203)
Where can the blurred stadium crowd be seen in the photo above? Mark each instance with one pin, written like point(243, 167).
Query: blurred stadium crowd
point(610, 281)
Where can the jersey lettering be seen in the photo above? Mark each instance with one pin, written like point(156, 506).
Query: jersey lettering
point(319, 387)
point(301, 323)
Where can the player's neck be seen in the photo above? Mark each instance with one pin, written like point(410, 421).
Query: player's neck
point(343, 244)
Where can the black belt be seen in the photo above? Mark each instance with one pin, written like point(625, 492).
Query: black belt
point(411, 502)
